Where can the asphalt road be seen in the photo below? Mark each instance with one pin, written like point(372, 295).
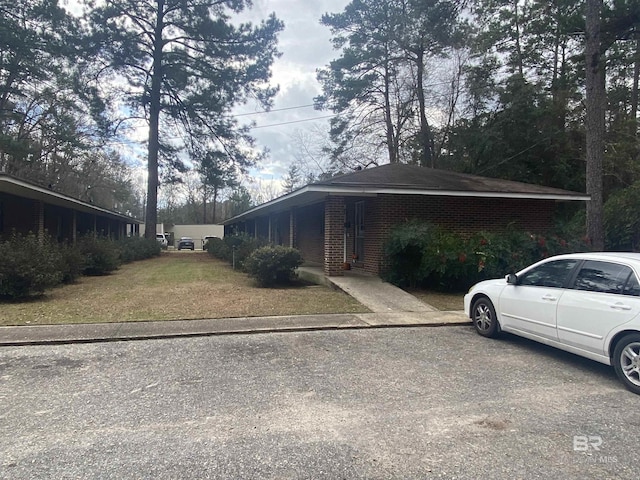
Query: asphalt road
point(376, 404)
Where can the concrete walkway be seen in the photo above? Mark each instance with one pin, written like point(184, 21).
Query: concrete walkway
point(390, 307)
point(371, 291)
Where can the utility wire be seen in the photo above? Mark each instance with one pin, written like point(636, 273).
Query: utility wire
point(274, 110)
point(294, 121)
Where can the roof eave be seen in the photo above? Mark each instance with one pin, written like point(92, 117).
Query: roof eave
point(35, 192)
point(373, 191)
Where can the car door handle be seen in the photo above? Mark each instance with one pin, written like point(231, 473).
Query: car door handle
point(549, 298)
point(620, 306)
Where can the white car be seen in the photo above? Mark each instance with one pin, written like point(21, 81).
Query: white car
point(162, 240)
point(586, 303)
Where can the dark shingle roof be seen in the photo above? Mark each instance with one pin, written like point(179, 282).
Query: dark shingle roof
point(402, 179)
point(413, 177)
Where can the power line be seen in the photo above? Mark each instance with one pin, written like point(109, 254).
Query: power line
point(294, 121)
point(274, 110)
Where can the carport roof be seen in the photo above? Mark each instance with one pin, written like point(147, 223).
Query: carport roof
point(401, 179)
point(22, 188)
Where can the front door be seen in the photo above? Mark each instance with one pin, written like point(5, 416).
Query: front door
point(358, 247)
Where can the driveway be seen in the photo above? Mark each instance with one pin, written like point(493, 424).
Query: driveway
point(376, 403)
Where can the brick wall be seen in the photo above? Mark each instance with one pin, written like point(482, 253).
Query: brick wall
point(333, 235)
point(458, 214)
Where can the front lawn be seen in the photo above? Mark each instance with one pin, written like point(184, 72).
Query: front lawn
point(177, 285)
point(442, 301)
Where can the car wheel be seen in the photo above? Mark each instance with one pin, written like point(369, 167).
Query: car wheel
point(626, 361)
point(483, 316)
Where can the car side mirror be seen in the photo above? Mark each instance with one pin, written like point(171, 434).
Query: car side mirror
point(512, 279)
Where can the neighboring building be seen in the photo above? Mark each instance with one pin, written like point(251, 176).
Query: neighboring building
point(347, 218)
point(197, 232)
point(26, 207)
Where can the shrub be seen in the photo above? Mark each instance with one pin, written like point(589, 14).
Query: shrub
point(273, 265)
point(71, 263)
point(28, 266)
point(101, 255)
point(405, 251)
point(217, 248)
point(241, 246)
point(621, 219)
point(138, 248)
point(420, 254)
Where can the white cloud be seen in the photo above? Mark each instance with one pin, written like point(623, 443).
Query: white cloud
point(305, 46)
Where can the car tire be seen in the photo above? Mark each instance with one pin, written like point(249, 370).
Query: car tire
point(626, 361)
point(483, 316)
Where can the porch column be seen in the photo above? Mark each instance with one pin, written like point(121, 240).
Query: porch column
point(292, 228)
point(39, 219)
point(270, 239)
point(74, 228)
point(333, 235)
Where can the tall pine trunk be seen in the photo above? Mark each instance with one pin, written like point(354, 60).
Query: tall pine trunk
point(426, 142)
point(388, 120)
point(151, 218)
point(595, 128)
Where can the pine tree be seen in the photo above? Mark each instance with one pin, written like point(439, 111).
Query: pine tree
point(187, 64)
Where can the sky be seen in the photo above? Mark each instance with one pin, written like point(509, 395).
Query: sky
point(305, 46)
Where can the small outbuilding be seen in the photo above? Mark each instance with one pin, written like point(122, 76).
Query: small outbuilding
point(347, 218)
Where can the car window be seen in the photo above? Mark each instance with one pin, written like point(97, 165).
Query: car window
point(632, 287)
point(550, 274)
point(604, 277)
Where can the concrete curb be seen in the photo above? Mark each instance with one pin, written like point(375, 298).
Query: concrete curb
point(129, 331)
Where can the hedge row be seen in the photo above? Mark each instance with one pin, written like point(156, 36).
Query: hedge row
point(423, 255)
point(30, 264)
point(268, 264)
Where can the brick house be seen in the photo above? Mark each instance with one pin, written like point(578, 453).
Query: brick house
point(27, 207)
point(347, 218)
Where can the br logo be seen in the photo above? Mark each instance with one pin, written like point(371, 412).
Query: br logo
point(584, 443)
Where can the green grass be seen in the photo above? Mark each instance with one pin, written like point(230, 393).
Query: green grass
point(177, 285)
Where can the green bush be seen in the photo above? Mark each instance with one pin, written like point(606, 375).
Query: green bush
point(273, 265)
point(28, 266)
point(405, 251)
point(138, 248)
point(216, 247)
point(101, 255)
point(71, 263)
point(241, 246)
point(621, 219)
point(421, 254)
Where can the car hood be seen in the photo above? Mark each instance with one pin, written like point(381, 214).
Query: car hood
point(489, 284)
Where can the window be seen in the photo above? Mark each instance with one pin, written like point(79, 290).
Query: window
point(550, 274)
point(604, 277)
point(632, 287)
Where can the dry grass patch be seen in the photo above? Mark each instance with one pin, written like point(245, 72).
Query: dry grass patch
point(178, 285)
point(442, 301)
